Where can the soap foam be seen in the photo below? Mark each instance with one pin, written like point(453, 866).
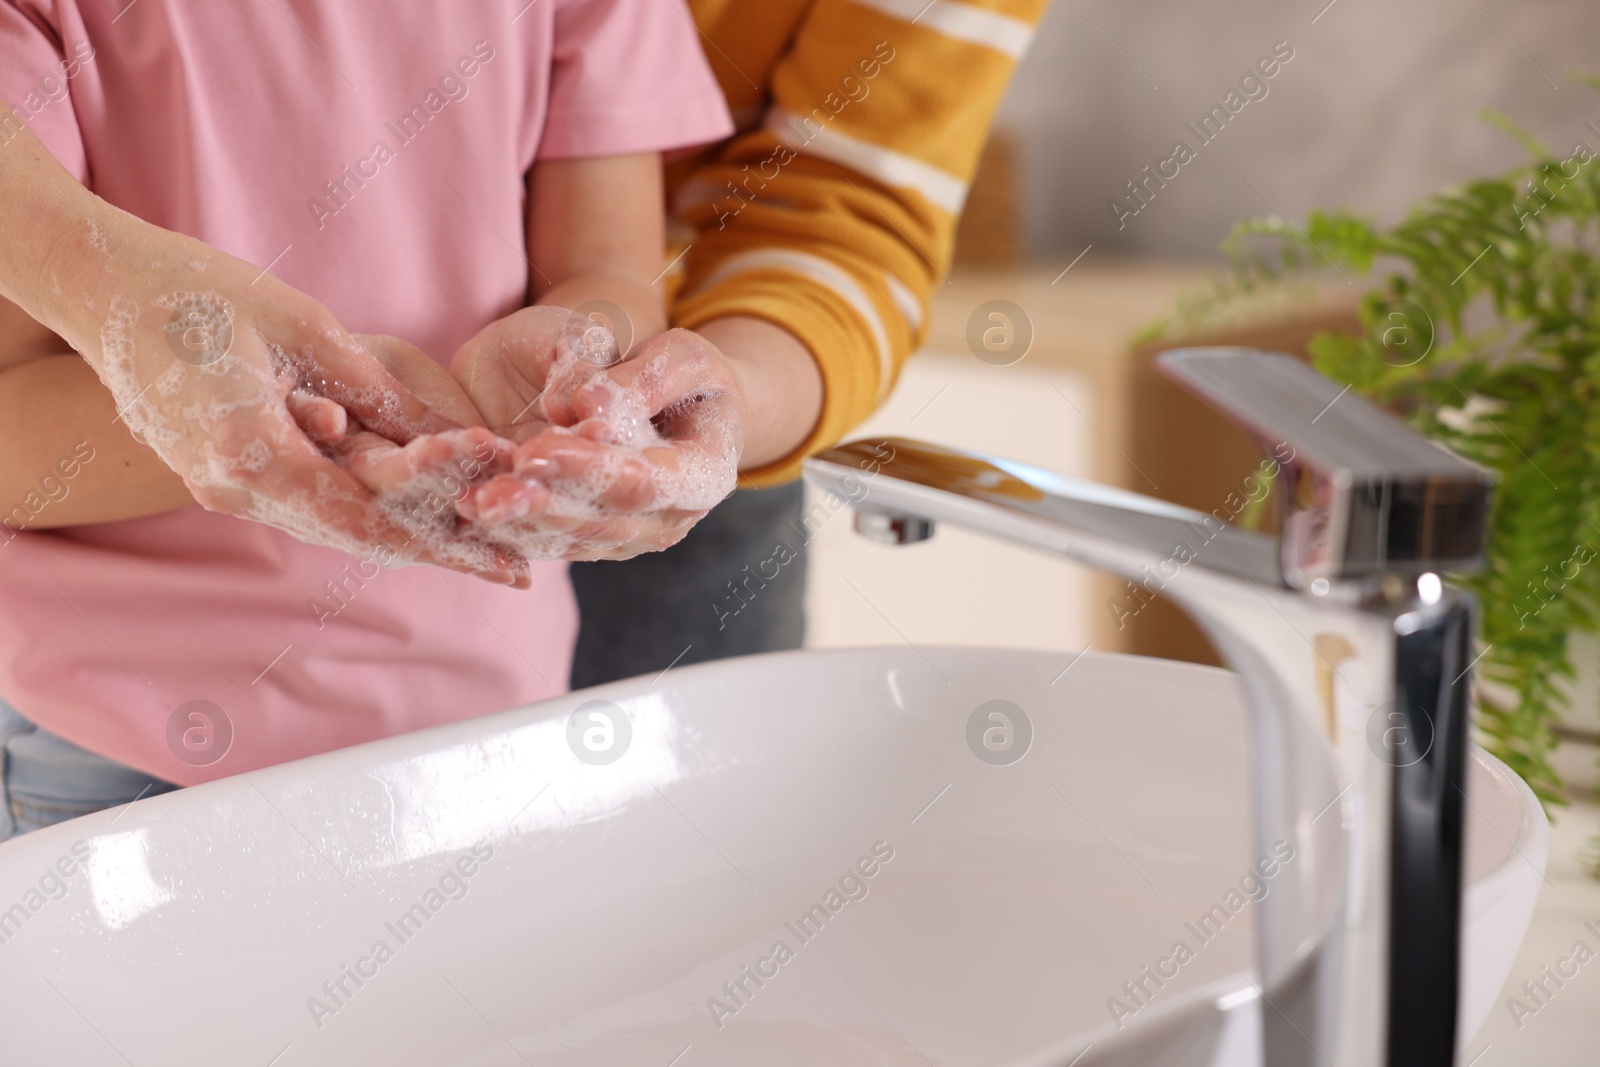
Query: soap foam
point(99, 240)
point(196, 417)
point(200, 329)
point(679, 497)
point(384, 407)
point(191, 414)
point(119, 372)
point(255, 456)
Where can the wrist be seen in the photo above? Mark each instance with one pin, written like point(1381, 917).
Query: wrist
point(778, 379)
point(94, 255)
point(641, 305)
point(50, 257)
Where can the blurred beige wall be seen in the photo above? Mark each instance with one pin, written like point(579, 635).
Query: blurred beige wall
point(1378, 106)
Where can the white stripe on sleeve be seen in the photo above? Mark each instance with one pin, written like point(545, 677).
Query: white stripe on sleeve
point(885, 165)
point(826, 274)
point(905, 301)
point(963, 22)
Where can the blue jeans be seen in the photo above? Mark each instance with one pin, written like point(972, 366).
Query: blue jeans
point(724, 590)
point(45, 779)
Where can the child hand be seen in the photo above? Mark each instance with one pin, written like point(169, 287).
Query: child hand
point(614, 458)
point(505, 370)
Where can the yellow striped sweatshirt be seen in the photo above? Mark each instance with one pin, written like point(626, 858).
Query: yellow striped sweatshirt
point(832, 211)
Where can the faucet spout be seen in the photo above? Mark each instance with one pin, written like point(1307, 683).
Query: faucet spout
point(1354, 661)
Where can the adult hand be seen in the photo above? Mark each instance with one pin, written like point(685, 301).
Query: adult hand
point(779, 380)
point(614, 457)
point(240, 383)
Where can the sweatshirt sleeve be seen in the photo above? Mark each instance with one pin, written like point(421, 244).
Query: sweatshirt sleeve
point(835, 215)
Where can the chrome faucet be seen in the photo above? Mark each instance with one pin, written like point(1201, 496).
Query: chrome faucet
point(1352, 654)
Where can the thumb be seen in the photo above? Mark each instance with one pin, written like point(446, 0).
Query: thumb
point(417, 372)
point(350, 374)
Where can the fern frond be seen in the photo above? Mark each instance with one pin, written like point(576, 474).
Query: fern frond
point(1481, 327)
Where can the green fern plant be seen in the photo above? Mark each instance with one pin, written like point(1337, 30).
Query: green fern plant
point(1481, 328)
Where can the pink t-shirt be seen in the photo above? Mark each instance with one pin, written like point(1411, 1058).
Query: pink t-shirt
point(374, 154)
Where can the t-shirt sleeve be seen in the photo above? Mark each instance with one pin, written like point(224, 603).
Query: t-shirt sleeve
point(629, 76)
point(36, 69)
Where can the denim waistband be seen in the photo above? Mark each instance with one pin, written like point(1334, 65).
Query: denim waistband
point(43, 768)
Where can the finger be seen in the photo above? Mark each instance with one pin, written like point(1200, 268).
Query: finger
point(518, 577)
point(344, 370)
point(422, 486)
point(292, 485)
point(586, 348)
point(551, 535)
point(282, 479)
point(477, 454)
point(476, 451)
point(468, 552)
point(555, 521)
point(692, 473)
point(460, 551)
point(322, 420)
point(442, 463)
point(663, 371)
point(588, 477)
point(392, 470)
point(416, 370)
point(358, 441)
point(625, 539)
point(503, 499)
point(424, 532)
point(510, 359)
point(529, 427)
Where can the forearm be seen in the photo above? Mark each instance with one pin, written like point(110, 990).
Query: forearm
point(50, 264)
point(642, 306)
point(69, 461)
point(209, 390)
point(779, 380)
point(596, 235)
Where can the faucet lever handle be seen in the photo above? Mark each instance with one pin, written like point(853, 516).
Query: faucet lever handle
point(1368, 496)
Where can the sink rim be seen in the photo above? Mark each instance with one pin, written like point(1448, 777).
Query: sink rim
point(1531, 845)
point(1487, 894)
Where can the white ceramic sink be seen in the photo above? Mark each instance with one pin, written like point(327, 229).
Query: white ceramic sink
point(577, 912)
